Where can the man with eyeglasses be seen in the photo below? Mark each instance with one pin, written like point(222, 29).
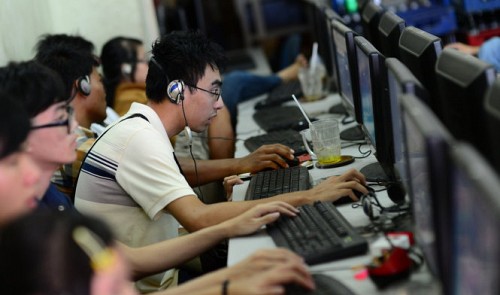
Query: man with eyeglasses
point(52, 122)
point(131, 177)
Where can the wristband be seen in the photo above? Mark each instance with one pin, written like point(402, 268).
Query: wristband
point(225, 284)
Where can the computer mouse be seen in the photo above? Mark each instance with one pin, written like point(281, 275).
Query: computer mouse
point(301, 124)
point(292, 163)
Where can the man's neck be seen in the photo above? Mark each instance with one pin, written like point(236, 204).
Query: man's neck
point(169, 116)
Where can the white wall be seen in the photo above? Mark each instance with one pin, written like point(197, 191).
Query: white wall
point(22, 22)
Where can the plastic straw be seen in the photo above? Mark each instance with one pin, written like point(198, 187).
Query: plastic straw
point(301, 109)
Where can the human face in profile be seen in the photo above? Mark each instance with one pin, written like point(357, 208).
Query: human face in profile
point(203, 100)
point(50, 142)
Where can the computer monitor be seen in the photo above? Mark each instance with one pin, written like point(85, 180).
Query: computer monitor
point(492, 112)
point(373, 93)
point(419, 51)
point(343, 37)
point(474, 203)
point(322, 18)
point(400, 81)
point(390, 28)
point(370, 17)
point(462, 83)
point(425, 138)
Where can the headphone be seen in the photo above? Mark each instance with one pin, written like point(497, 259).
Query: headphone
point(368, 205)
point(175, 88)
point(83, 85)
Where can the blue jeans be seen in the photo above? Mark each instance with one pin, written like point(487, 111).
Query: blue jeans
point(240, 86)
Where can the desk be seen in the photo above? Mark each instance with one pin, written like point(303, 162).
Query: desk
point(242, 247)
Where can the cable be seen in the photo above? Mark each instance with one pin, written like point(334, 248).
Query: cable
point(202, 197)
point(364, 154)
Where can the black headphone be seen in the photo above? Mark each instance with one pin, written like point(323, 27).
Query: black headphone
point(368, 205)
point(83, 85)
point(175, 88)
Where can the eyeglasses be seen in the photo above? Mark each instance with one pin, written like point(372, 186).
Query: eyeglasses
point(66, 122)
point(217, 94)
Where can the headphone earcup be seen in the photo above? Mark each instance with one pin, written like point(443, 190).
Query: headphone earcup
point(83, 85)
point(175, 91)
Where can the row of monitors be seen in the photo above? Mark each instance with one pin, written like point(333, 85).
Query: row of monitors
point(452, 84)
point(416, 110)
point(455, 201)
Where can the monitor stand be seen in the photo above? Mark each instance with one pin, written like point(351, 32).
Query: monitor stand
point(337, 109)
point(352, 134)
point(374, 173)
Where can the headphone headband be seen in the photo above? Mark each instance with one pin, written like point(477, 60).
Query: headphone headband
point(175, 88)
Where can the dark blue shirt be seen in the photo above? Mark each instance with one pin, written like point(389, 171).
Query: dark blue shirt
point(54, 199)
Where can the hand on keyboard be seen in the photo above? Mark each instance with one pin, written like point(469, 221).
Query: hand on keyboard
point(253, 219)
point(266, 157)
point(268, 270)
point(336, 187)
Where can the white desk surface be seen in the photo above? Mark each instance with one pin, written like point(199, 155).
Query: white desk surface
point(241, 247)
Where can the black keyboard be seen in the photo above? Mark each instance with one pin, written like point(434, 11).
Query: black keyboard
point(319, 233)
point(325, 285)
point(290, 138)
point(280, 94)
point(274, 182)
point(281, 118)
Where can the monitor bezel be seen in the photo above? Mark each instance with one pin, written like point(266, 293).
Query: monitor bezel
point(436, 141)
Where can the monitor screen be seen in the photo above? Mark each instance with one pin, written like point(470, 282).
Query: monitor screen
point(419, 51)
point(462, 82)
point(390, 28)
point(424, 137)
point(375, 106)
point(365, 86)
point(475, 202)
point(343, 37)
point(400, 81)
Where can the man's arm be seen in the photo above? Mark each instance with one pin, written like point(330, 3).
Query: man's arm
point(221, 138)
point(261, 271)
point(266, 157)
point(156, 257)
point(195, 215)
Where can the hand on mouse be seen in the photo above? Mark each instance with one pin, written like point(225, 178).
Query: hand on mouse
point(272, 156)
point(336, 187)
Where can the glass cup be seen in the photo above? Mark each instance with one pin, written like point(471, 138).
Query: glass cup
point(325, 137)
point(312, 82)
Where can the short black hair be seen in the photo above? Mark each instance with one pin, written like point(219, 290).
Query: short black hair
point(48, 41)
point(182, 55)
point(35, 86)
point(14, 126)
point(71, 56)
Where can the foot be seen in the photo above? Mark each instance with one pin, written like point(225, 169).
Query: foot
point(291, 72)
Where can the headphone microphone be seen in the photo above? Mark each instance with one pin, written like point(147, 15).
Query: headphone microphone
point(189, 135)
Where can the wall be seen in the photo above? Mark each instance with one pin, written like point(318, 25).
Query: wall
point(22, 22)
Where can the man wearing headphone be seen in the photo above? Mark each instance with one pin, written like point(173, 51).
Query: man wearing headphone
point(84, 88)
point(131, 177)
